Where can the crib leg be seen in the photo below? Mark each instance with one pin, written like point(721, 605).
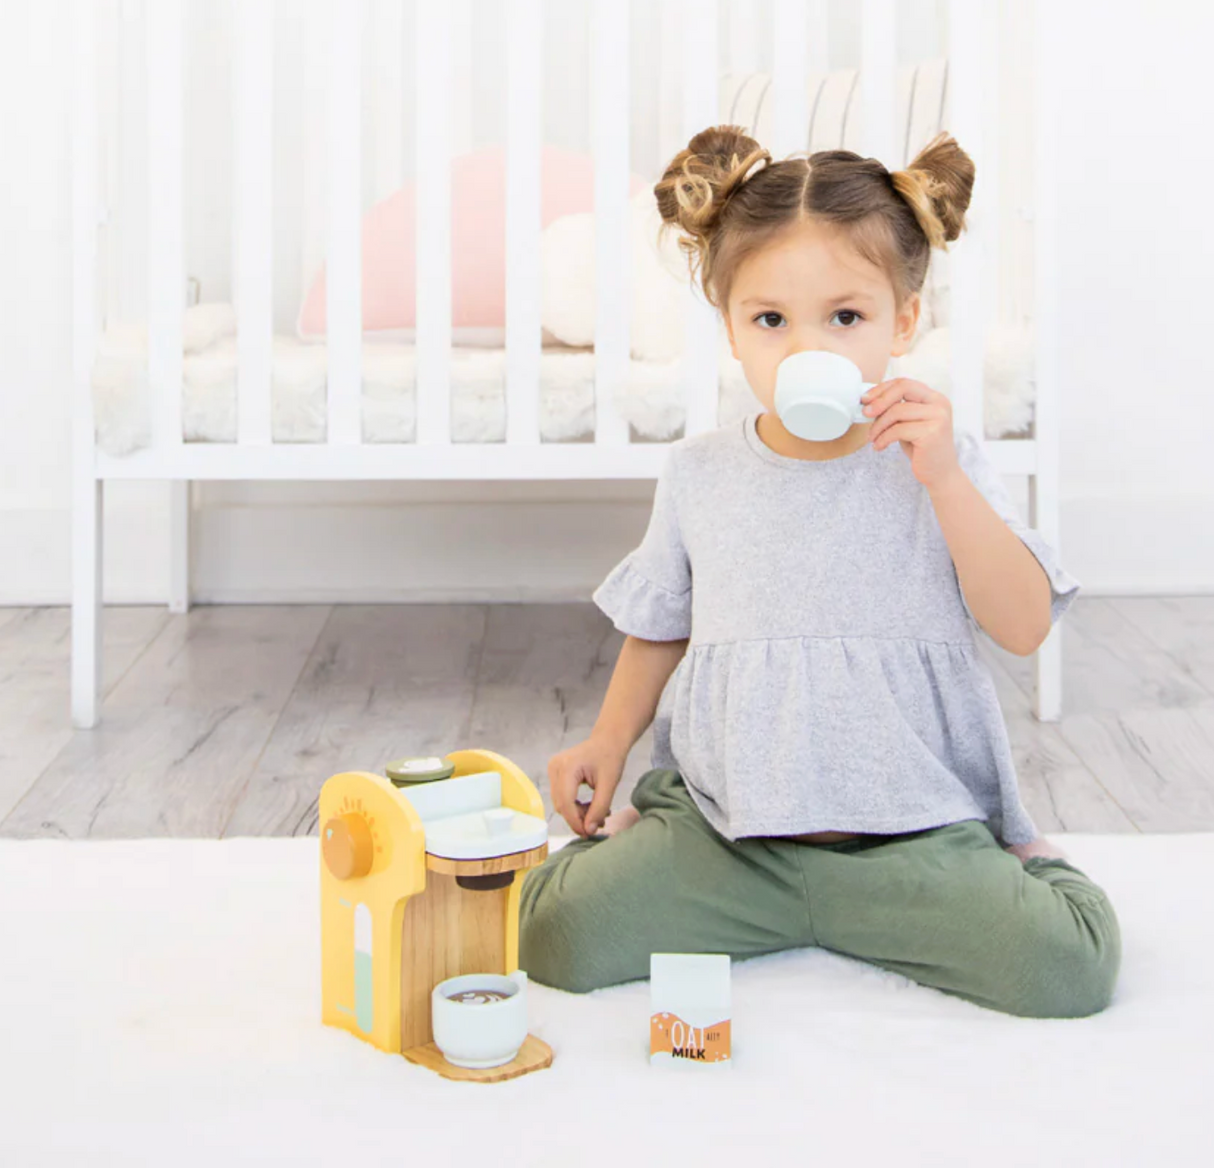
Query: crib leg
point(179, 545)
point(87, 545)
point(1047, 668)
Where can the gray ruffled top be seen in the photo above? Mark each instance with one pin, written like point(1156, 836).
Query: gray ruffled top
point(832, 679)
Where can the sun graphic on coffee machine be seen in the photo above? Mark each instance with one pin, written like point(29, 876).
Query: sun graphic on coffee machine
point(349, 840)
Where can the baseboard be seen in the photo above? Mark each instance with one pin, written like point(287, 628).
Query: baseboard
point(509, 552)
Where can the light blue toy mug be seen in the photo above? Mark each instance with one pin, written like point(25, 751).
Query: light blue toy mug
point(818, 394)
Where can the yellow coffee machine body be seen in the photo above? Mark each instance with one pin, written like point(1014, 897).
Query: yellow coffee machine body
point(420, 884)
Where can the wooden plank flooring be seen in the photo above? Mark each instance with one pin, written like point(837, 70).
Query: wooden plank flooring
point(35, 702)
point(180, 733)
point(226, 721)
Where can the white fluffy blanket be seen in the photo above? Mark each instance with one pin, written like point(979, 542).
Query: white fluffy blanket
point(162, 1006)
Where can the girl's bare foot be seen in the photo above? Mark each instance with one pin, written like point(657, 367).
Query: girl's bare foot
point(620, 820)
point(1038, 847)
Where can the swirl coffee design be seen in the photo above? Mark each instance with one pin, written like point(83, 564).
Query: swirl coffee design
point(478, 997)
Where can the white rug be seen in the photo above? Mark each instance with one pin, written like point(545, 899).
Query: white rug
point(161, 1005)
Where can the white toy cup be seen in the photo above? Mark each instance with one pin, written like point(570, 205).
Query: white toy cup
point(818, 394)
point(479, 1034)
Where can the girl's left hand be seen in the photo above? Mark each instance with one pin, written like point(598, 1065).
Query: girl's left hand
point(921, 419)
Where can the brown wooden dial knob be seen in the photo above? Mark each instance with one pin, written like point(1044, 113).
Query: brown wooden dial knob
point(347, 845)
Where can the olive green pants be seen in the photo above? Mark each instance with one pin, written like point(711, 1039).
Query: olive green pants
point(946, 907)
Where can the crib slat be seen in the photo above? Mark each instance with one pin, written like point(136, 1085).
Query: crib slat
point(670, 75)
point(992, 196)
point(740, 49)
point(313, 196)
point(85, 184)
point(878, 65)
point(86, 489)
point(524, 83)
point(818, 42)
point(388, 70)
point(166, 265)
point(1048, 63)
point(701, 357)
point(433, 274)
point(124, 185)
point(343, 263)
point(612, 253)
point(253, 239)
point(967, 321)
point(790, 115)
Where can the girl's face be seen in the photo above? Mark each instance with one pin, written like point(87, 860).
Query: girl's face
point(809, 289)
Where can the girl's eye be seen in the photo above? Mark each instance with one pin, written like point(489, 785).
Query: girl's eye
point(848, 312)
point(764, 315)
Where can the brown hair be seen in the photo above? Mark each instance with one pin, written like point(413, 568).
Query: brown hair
point(892, 219)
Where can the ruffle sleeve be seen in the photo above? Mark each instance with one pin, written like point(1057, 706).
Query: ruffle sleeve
point(982, 473)
point(648, 593)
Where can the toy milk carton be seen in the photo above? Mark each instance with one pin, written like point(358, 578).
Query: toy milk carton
point(690, 1019)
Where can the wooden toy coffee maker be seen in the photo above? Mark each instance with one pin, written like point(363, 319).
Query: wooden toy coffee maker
point(419, 882)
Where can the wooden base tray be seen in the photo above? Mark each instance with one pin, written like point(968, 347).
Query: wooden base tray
point(534, 1055)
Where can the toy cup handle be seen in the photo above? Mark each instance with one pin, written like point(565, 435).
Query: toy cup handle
point(859, 415)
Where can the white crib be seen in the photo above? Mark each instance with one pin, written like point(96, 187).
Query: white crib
point(798, 42)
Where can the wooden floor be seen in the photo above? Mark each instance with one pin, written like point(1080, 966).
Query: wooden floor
point(226, 721)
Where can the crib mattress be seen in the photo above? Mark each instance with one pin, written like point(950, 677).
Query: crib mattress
point(649, 397)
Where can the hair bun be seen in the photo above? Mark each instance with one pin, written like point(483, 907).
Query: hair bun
point(937, 185)
point(701, 178)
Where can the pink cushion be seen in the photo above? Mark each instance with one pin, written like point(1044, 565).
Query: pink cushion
point(478, 241)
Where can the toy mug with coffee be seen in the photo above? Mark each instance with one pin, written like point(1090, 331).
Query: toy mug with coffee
point(480, 1019)
point(818, 394)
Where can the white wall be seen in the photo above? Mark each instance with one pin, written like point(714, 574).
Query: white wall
point(1137, 485)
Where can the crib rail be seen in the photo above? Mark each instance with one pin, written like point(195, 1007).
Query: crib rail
point(798, 40)
point(334, 48)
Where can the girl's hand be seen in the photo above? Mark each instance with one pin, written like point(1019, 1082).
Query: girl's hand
point(922, 420)
point(600, 765)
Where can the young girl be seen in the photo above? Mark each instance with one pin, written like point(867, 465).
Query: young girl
point(830, 762)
